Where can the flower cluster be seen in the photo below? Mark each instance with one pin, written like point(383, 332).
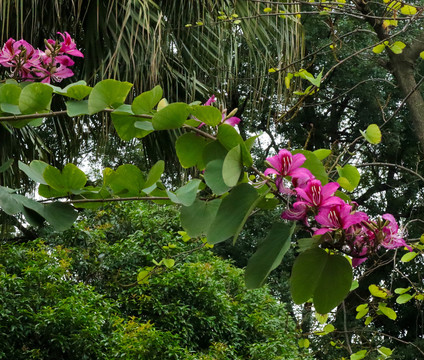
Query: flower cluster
point(29, 64)
point(338, 222)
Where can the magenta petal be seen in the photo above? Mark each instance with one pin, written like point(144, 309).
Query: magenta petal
point(275, 162)
point(329, 189)
point(233, 121)
point(358, 261)
point(64, 60)
point(211, 100)
point(301, 174)
point(75, 52)
point(322, 231)
point(271, 171)
point(298, 160)
point(323, 217)
point(355, 218)
point(302, 193)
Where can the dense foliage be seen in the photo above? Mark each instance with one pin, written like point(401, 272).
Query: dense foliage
point(76, 295)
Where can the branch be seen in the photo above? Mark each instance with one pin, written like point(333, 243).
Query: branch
point(13, 118)
point(392, 165)
point(133, 198)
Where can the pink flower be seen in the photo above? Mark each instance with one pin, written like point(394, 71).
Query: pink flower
point(298, 211)
point(338, 217)
point(233, 120)
point(68, 46)
point(285, 164)
point(57, 74)
point(211, 100)
point(392, 238)
point(315, 195)
point(21, 56)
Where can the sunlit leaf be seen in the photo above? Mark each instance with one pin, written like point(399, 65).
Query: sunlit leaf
point(106, 94)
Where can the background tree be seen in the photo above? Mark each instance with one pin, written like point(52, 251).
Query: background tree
point(76, 295)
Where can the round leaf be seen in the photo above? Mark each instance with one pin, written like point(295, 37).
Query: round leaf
point(172, 116)
point(232, 167)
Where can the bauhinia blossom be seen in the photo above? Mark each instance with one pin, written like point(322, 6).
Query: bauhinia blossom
point(392, 238)
point(29, 64)
point(285, 164)
point(338, 217)
point(316, 195)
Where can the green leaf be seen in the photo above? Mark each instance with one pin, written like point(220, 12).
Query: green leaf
point(77, 91)
point(172, 116)
point(303, 343)
point(377, 291)
point(125, 126)
point(232, 167)
point(355, 285)
point(186, 194)
point(408, 10)
point(402, 290)
point(422, 54)
point(269, 255)
point(308, 243)
point(378, 49)
point(404, 298)
point(372, 134)
point(386, 352)
point(250, 142)
point(321, 154)
point(68, 180)
point(208, 114)
point(314, 165)
point(213, 177)
point(108, 94)
point(35, 98)
point(8, 203)
point(362, 310)
point(232, 213)
point(6, 165)
point(154, 175)
point(322, 276)
point(322, 318)
point(90, 192)
point(230, 138)
point(60, 216)
point(397, 47)
point(189, 147)
point(144, 125)
point(349, 177)
point(390, 313)
point(327, 329)
point(408, 256)
point(77, 108)
point(9, 98)
point(143, 277)
point(169, 263)
point(145, 102)
point(308, 76)
point(126, 181)
point(358, 355)
point(197, 218)
point(35, 170)
point(213, 151)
